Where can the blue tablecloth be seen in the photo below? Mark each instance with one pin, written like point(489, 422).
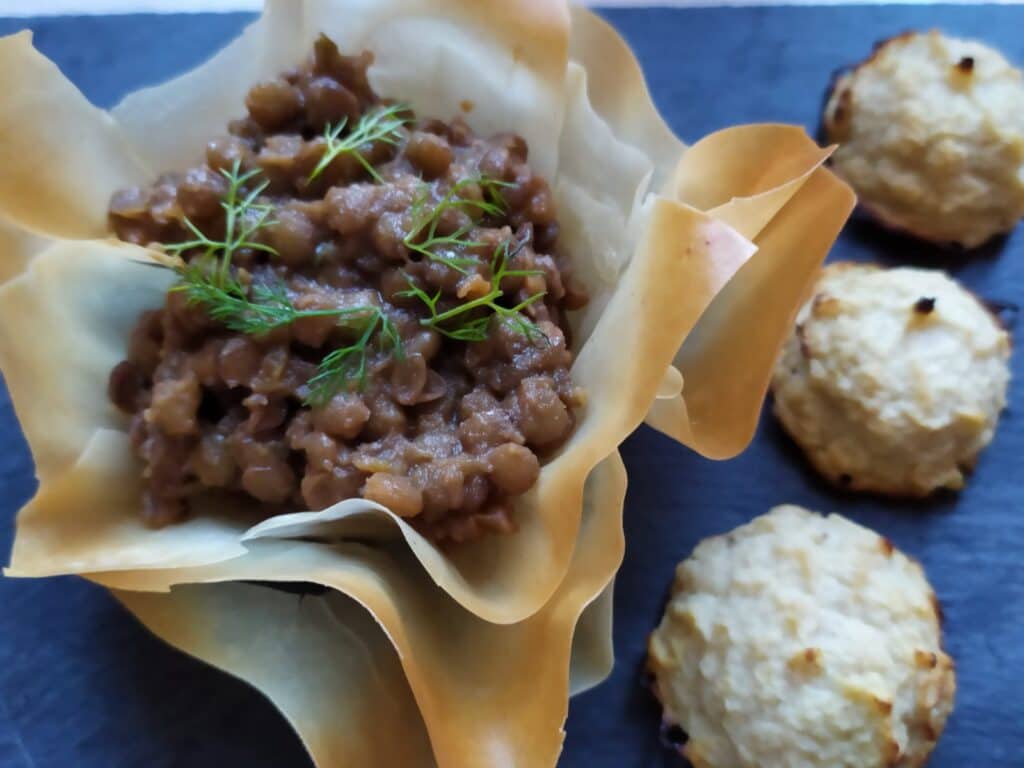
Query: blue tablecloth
point(82, 685)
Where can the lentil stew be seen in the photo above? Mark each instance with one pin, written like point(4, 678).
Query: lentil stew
point(371, 304)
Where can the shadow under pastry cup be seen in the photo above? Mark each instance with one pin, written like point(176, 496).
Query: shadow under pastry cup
point(696, 260)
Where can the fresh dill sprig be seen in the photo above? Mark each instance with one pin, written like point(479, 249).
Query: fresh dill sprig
point(347, 367)
point(269, 308)
point(422, 236)
point(379, 125)
point(243, 217)
point(207, 281)
point(453, 322)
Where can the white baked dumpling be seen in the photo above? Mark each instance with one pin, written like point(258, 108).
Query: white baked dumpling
point(802, 641)
point(893, 380)
point(931, 135)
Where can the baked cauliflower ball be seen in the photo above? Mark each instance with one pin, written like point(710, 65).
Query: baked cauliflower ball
point(931, 135)
point(893, 380)
point(800, 641)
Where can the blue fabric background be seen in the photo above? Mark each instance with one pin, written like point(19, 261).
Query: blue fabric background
point(82, 685)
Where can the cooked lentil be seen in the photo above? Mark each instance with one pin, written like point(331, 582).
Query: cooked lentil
point(445, 432)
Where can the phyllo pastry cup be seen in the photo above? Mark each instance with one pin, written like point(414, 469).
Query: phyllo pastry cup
point(695, 260)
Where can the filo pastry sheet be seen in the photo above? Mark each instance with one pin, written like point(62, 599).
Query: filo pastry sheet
point(696, 260)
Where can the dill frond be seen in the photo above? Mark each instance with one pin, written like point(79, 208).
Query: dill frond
point(347, 367)
point(423, 238)
point(208, 281)
point(455, 324)
point(243, 218)
point(268, 309)
point(379, 125)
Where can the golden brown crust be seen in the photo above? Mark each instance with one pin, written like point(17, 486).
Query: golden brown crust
point(835, 374)
point(836, 118)
point(899, 187)
point(753, 599)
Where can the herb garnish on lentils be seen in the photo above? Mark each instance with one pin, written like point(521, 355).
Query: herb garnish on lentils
point(370, 304)
point(209, 281)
